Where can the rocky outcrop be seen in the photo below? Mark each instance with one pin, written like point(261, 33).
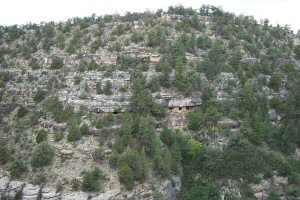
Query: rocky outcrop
point(49, 194)
point(4, 180)
point(30, 192)
point(168, 189)
point(229, 122)
point(109, 195)
point(75, 196)
point(12, 189)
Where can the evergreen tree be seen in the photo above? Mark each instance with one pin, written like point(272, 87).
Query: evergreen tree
point(176, 158)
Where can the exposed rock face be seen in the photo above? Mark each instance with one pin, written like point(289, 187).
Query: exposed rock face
point(183, 102)
point(4, 180)
point(49, 194)
point(261, 190)
point(13, 188)
point(229, 122)
point(109, 195)
point(30, 192)
point(167, 190)
point(66, 153)
point(75, 196)
point(279, 180)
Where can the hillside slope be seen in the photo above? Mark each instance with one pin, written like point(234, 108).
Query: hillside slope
point(177, 104)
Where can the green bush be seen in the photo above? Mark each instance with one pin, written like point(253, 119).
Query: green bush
point(126, 176)
point(4, 154)
point(22, 112)
point(91, 180)
point(109, 120)
point(98, 154)
point(17, 168)
point(57, 63)
point(275, 82)
point(75, 184)
point(84, 129)
point(39, 95)
point(33, 63)
point(58, 135)
point(137, 162)
point(107, 90)
point(74, 134)
point(113, 159)
point(77, 79)
point(41, 136)
point(42, 156)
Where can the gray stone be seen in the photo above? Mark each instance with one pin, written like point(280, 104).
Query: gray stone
point(49, 194)
point(279, 180)
point(3, 183)
point(107, 151)
point(177, 184)
point(13, 188)
point(66, 152)
point(107, 195)
point(167, 190)
point(30, 192)
point(74, 196)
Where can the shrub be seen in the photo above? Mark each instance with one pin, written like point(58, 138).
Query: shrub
point(57, 63)
point(166, 136)
point(84, 129)
point(109, 120)
point(107, 90)
point(41, 136)
point(33, 63)
point(137, 162)
point(98, 123)
point(275, 102)
point(91, 180)
point(74, 134)
point(39, 95)
point(77, 79)
point(4, 154)
point(126, 176)
point(21, 112)
point(275, 82)
point(113, 159)
point(59, 187)
point(58, 135)
point(17, 168)
point(75, 184)
point(98, 154)
point(42, 156)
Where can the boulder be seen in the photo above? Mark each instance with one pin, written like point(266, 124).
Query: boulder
point(279, 180)
point(66, 153)
point(30, 192)
point(12, 188)
point(49, 194)
point(229, 122)
point(3, 183)
point(107, 151)
point(75, 196)
point(265, 185)
point(61, 126)
point(261, 195)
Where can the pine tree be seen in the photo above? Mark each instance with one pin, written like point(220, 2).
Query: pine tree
point(176, 158)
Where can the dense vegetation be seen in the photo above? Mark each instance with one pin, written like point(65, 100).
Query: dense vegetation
point(262, 98)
